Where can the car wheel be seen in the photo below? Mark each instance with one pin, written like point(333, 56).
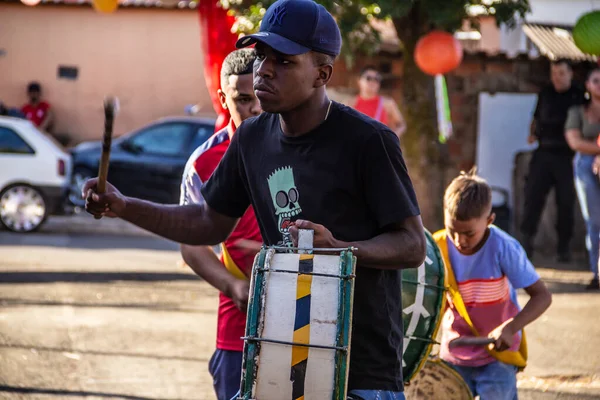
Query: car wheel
point(80, 175)
point(22, 208)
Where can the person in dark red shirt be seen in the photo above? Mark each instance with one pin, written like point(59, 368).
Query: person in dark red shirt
point(231, 273)
point(37, 110)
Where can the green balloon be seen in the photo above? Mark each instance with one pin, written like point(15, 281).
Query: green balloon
point(586, 33)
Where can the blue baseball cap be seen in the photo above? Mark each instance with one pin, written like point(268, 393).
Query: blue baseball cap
point(295, 27)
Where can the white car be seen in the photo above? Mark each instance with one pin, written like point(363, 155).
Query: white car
point(35, 173)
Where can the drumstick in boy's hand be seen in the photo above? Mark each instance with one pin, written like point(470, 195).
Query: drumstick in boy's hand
point(470, 341)
point(111, 105)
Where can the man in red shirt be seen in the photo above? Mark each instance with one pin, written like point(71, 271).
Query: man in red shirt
point(371, 103)
point(231, 273)
point(38, 111)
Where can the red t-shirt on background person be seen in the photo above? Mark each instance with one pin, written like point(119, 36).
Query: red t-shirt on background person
point(36, 113)
point(231, 322)
point(373, 107)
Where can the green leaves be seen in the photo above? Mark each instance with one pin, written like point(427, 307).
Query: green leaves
point(353, 16)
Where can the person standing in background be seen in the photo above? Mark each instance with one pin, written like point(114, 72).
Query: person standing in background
point(582, 131)
point(38, 111)
point(376, 106)
point(552, 162)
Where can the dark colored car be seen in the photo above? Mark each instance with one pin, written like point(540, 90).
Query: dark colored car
point(147, 163)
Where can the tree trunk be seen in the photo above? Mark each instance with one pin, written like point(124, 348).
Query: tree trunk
point(420, 142)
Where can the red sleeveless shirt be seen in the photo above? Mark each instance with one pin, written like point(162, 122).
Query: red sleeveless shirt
point(373, 107)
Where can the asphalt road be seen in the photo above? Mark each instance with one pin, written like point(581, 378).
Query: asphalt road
point(118, 317)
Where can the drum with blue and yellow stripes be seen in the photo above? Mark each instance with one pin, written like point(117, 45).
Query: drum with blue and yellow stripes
point(297, 342)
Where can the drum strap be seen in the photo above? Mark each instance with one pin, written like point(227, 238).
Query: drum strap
point(230, 265)
point(516, 358)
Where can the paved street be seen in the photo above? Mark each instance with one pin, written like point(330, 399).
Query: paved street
point(117, 317)
point(100, 316)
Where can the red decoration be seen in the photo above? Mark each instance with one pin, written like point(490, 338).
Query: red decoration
point(438, 52)
point(217, 41)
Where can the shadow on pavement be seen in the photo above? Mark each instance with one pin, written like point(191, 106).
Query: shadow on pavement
point(88, 241)
point(70, 393)
point(92, 277)
point(561, 287)
point(7, 302)
point(103, 353)
point(578, 263)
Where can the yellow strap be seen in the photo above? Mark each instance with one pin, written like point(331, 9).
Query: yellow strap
point(516, 358)
point(230, 264)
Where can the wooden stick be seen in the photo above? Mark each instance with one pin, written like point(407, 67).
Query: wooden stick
point(110, 106)
point(470, 341)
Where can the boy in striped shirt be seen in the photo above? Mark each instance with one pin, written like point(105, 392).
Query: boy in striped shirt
point(489, 266)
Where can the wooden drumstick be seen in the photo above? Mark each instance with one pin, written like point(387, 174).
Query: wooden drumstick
point(110, 109)
point(471, 341)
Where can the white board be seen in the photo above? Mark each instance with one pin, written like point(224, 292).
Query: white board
point(502, 130)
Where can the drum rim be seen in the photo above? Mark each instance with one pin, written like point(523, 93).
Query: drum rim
point(441, 306)
point(437, 360)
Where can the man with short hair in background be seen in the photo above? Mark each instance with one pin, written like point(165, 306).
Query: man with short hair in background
point(230, 274)
point(552, 162)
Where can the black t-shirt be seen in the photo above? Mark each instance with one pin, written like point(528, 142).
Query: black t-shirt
point(551, 114)
point(348, 175)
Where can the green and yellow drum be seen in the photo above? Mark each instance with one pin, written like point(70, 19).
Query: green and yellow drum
point(423, 302)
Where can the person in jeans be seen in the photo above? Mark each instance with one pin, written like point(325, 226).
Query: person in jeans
point(488, 266)
point(582, 130)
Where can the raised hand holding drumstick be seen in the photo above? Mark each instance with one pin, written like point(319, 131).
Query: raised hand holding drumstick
point(109, 201)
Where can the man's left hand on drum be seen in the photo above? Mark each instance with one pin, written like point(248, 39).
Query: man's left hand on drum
point(323, 238)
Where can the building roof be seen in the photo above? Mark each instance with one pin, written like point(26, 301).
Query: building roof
point(555, 42)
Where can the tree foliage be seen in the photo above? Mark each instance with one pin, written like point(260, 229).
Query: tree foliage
point(353, 16)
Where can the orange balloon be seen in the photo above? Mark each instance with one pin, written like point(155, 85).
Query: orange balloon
point(438, 52)
point(30, 2)
point(105, 6)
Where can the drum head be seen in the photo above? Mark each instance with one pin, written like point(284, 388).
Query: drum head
point(423, 301)
point(437, 381)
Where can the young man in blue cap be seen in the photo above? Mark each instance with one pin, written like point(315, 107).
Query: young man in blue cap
point(322, 166)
